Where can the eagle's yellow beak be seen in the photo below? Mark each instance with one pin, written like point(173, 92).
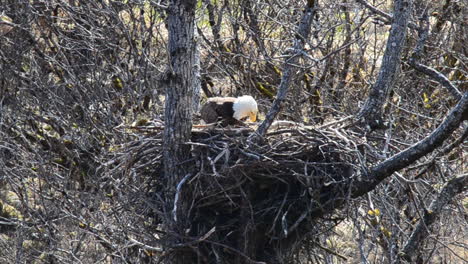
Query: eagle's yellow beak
point(253, 117)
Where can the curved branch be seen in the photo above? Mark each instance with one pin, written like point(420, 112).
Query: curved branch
point(436, 76)
point(403, 159)
point(431, 72)
point(332, 196)
point(450, 189)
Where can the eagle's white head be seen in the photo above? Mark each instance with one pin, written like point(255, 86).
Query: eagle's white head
point(245, 106)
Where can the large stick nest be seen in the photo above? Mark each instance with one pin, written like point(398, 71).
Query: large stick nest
point(244, 191)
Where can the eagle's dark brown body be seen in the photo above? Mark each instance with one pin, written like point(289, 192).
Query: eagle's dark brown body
point(219, 109)
point(229, 110)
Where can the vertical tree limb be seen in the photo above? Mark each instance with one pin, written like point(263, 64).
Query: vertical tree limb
point(215, 24)
point(197, 81)
point(252, 20)
point(180, 86)
point(347, 52)
point(295, 53)
point(371, 112)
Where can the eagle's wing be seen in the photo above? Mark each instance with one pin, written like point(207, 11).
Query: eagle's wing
point(208, 112)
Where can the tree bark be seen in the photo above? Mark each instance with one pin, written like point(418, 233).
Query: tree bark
point(197, 83)
point(371, 113)
point(180, 85)
point(296, 51)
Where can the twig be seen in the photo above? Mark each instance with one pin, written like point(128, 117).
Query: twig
point(331, 251)
point(403, 159)
point(451, 188)
point(250, 155)
point(375, 10)
point(444, 151)
point(159, 5)
point(382, 13)
point(197, 240)
point(432, 73)
point(334, 122)
point(338, 50)
point(144, 246)
point(213, 166)
point(248, 260)
point(298, 221)
point(176, 199)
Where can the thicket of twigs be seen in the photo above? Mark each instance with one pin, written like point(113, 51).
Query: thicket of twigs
point(238, 185)
point(80, 133)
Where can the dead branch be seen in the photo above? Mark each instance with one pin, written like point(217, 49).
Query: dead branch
point(371, 113)
point(403, 159)
point(438, 77)
point(288, 73)
point(387, 16)
point(431, 72)
point(448, 192)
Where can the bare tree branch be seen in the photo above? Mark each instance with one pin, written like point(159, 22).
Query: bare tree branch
point(371, 112)
point(288, 72)
point(450, 190)
point(444, 151)
point(431, 72)
point(403, 159)
point(377, 11)
point(438, 77)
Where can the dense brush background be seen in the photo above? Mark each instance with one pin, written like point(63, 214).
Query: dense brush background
point(75, 75)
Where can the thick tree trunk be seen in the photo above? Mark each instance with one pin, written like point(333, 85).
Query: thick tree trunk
point(180, 86)
point(371, 113)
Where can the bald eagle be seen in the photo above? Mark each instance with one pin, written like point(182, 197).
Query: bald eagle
point(229, 110)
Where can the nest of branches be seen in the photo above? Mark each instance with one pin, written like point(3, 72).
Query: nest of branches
point(243, 192)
